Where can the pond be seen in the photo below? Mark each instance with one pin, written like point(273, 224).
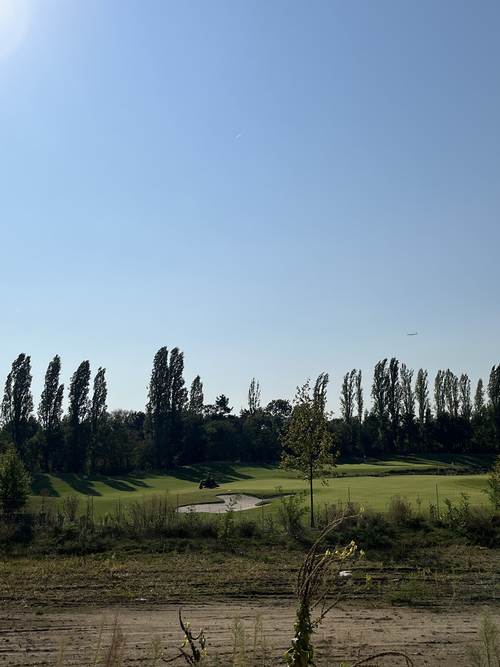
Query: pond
point(237, 501)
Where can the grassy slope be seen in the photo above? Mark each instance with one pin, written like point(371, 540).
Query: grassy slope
point(263, 481)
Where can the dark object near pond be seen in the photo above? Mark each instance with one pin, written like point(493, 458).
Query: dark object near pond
point(208, 483)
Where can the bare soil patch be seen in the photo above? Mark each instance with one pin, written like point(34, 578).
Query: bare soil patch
point(29, 637)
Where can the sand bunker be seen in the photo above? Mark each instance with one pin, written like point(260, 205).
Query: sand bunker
point(236, 501)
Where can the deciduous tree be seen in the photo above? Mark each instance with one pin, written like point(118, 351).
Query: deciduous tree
point(158, 408)
point(50, 415)
point(254, 396)
point(17, 405)
point(307, 445)
point(196, 399)
point(98, 418)
point(422, 395)
point(78, 414)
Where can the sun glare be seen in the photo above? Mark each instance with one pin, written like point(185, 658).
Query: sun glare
point(14, 16)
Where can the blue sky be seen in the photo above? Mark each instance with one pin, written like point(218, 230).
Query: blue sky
point(279, 188)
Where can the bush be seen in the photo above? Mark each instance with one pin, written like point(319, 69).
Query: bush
point(15, 482)
point(247, 528)
point(400, 510)
point(482, 527)
point(370, 530)
point(290, 512)
point(493, 490)
point(487, 652)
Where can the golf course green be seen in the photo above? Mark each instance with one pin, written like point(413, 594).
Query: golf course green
point(371, 484)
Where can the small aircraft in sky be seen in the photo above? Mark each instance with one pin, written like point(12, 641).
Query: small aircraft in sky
point(415, 333)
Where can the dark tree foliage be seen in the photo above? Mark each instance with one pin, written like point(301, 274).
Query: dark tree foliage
point(394, 401)
point(178, 404)
point(17, 405)
point(166, 407)
point(359, 396)
point(279, 408)
point(451, 393)
point(440, 393)
point(348, 430)
point(98, 418)
point(422, 395)
point(221, 407)
point(465, 398)
point(50, 416)
point(407, 408)
point(254, 397)
point(14, 482)
point(494, 396)
point(181, 430)
point(196, 398)
point(78, 413)
point(380, 395)
point(158, 409)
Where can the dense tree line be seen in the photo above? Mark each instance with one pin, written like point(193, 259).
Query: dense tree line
point(410, 413)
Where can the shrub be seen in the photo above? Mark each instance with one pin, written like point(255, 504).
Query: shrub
point(14, 482)
point(291, 509)
point(400, 510)
point(246, 528)
point(481, 527)
point(487, 653)
point(370, 530)
point(493, 490)
point(70, 508)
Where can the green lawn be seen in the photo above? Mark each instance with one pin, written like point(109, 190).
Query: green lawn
point(358, 484)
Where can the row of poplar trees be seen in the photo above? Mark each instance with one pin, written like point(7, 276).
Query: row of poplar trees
point(408, 413)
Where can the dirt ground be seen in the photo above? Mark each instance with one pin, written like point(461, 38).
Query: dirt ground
point(29, 637)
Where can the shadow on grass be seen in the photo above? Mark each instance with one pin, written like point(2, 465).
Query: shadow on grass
point(41, 485)
point(449, 460)
point(81, 483)
point(221, 472)
point(124, 483)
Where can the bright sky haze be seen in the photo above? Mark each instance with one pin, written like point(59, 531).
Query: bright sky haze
point(278, 188)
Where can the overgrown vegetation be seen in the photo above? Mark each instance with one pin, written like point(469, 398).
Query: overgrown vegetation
point(486, 653)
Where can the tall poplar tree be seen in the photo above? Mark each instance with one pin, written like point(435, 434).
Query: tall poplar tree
point(178, 403)
point(481, 431)
point(451, 393)
point(494, 400)
point(380, 395)
point(465, 397)
point(422, 395)
point(394, 399)
point(254, 397)
point(17, 405)
point(78, 413)
point(158, 408)
point(359, 397)
point(98, 417)
point(50, 415)
point(439, 393)
point(479, 399)
point(196, 398)
point(407, 404)
point(347, 396)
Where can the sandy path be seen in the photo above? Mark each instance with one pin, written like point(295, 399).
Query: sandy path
point(430, 638)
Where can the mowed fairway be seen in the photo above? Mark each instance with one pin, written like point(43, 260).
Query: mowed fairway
point(359, 485)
